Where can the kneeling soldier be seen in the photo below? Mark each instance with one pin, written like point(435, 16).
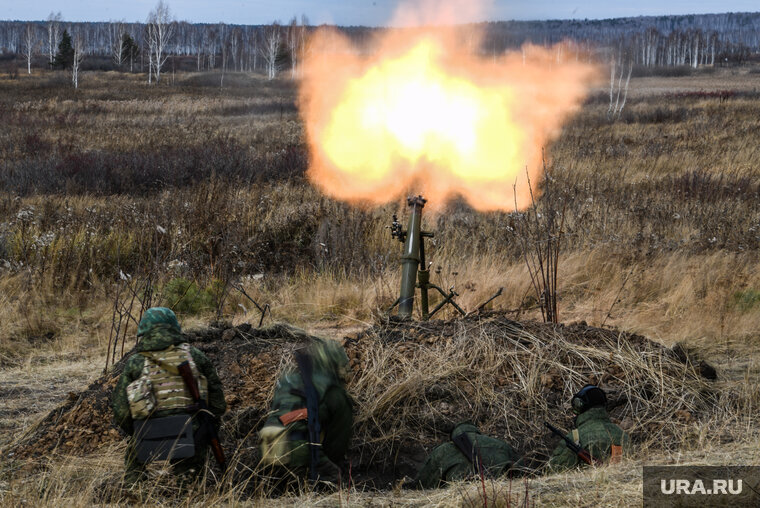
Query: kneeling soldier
point(155, 404)
point(594, 433)
point(309, 424)
point(469, 454)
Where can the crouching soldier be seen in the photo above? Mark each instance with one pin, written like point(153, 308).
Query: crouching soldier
point(469, 454)
point(309, 424)
point(156, 405)
point(595, 437)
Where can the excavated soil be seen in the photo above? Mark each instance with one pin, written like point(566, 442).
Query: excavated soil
point(392, 439)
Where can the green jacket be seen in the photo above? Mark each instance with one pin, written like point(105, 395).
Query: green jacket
point(157, 339)
point(330, 364)
point(448, 463)
point(596, 434)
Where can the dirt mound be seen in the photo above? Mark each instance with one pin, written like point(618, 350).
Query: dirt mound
point(413, 381)
point(246, 358)
point(416, 380)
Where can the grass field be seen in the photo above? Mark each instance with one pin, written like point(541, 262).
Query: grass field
point(190, 185)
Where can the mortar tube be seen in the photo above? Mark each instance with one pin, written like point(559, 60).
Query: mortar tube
point(410, 259)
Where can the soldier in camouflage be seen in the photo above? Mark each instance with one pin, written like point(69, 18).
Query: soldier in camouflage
point(161, 348)
point(285, 436)
point(451, 462)
point(593, 431)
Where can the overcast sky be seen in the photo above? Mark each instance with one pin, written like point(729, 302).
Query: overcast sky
point(349, 12)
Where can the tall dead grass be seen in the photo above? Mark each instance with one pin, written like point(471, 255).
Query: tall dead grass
point(661, 238)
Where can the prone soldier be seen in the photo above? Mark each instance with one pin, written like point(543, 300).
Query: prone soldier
point(468, 454)
point(596, 437)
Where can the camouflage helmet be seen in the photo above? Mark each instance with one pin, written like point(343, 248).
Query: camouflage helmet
point(330, 356)
point(157, 316)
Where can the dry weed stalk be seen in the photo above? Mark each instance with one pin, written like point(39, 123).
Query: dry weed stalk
point(540, 238)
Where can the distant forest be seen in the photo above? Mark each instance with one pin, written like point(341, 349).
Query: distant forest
point(646, 41)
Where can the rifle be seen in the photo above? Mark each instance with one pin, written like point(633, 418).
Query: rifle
point(582, 454)
point(305, 367)
point(206, 428)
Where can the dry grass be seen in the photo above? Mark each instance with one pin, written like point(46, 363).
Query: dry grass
point(663, 230)
point(506, 377)
point(78, 482)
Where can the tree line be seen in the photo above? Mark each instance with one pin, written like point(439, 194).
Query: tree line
point(693, 40)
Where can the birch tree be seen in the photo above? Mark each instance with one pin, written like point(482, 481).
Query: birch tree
point(53, 27)
point(29, 44)
point(616, 102)
point(254, 42)
point(148, 41)
point(78, 45)
point(160, 28)
point(294, 38)
point(116, 32)
point(270, 49)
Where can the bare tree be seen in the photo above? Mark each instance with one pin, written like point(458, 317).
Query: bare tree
point(294, 45)
point(201, 43)
point(223, 42)
point(30, 43)
point(235, 37)
point(53, 27)
point(616, 103)
point(149, 50)
point(160, 28)
point(78, 45)
point(297, 43)
point(116, 33)
point(270, 49)
point(255, 42)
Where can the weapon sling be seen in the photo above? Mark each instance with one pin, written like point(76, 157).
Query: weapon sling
point(206, 426)
point(471, 451)
point(305, 367)
point(582, 454)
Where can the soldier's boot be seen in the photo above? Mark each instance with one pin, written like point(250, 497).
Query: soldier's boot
point(190, 470)
point(329, 475)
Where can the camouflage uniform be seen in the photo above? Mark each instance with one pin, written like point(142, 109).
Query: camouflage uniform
point(448, 463)
point(286, 447)
point(596, 434)
point(162, 338)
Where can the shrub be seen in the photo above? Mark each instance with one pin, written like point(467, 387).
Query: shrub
point(186, 297)
point(746, 300)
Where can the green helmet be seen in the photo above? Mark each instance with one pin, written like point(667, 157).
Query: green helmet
point(330, 356)
point(157, 316)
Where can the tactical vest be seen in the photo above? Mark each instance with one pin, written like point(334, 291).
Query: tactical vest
point(160, 389)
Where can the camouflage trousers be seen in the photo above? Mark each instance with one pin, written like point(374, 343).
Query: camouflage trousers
point(186, 470)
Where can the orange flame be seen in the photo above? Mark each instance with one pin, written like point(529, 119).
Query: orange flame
point(424, 113)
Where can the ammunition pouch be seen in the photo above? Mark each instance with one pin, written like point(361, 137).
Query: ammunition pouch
point(275, 445)
point(142, 400)
point(169, 437)
point(278, 444)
